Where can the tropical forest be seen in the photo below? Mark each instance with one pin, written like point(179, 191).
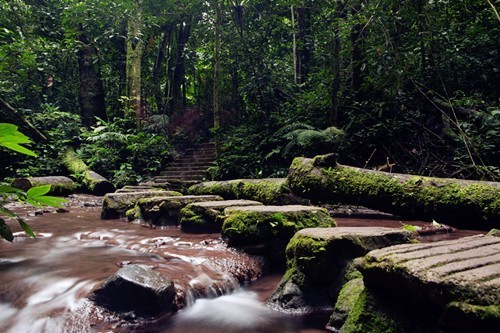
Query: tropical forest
point(249, 166)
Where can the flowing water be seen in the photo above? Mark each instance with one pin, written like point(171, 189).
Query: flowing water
point(44, 281)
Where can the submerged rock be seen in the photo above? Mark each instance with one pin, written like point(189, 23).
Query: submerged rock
point(203, 216)
point(270, 191)
point(165, 210)
point(320, 261)
point(135, 288)
point(271, 226)
point(453, 286)
point(115, 205)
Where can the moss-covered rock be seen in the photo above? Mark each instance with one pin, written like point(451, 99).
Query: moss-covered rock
point(453, 285)
point(271, 226)
point(270, 191)
point(346, 301)
point(115, 205)
point(203, 216)
point(320, 261)
point(164, 210)
point(138, 188)
point(452, 201)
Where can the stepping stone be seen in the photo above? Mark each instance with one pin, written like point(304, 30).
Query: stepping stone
point(138, 188)
point(203, 216)
point(166, 210)
point(320, 261)
point(269, 228)
point(457, 281)
point(270, 191)
point(115, 205)
point(136, 288)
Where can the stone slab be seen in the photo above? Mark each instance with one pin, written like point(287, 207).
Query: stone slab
point(164, 210)
point(115, 205)
point(440, 275)
point(204, 216)
point(320, 261)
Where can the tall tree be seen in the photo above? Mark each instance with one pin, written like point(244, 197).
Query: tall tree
point(91, 96)
point(135, 50)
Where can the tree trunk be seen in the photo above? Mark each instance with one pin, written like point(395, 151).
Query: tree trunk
point(135, 49)
point(95, 183)
point(91, 96)
point(178, 77)
point(473, 204)
point(336, 60)
point(215, 104)
point(157, 69)
point(357, 41)
point(303, 44)
point(59, 185)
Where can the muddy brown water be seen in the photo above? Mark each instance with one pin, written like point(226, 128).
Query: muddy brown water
point(44, 281)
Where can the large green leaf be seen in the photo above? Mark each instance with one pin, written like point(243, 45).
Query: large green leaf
point(27, 228)
point(12, 139)
point(50, 201)
point(38, 191)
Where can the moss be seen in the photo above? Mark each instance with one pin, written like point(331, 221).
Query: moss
point(465, 317)
point(368, 316)
point(346, 300)
point(268, 191)
point(254, 227)
point(132, 214)
point(445, 200)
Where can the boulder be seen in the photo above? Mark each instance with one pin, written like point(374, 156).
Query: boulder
point(453, 285)
point(269, 228)
point(165, 210)
point(320, 261)
point(270, 191)
point(135, 288)
point(115, 205)
point(203, 216)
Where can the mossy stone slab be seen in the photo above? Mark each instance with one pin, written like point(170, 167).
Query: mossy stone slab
point(164, 210)
point(270, 191)
point(455, 283)
point(271, 226)
point(203, 216)
point(320, 261)
point(115, 205)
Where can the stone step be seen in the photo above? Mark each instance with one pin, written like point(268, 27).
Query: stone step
point(457, 280)
point(185, 168)
point(115, 205)
point(166, 210)
point(204, 216)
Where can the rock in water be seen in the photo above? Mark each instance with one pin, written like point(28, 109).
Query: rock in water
point(136, 288)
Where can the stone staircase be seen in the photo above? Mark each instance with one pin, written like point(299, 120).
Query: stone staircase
point(189, 169)
point(193, 165)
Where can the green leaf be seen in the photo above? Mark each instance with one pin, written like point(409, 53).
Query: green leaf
point(18, 148)
point(38, 191)
point(9, 189)
point(5, 231)
point(27, 229)
point(12, 139)
point(51, 201)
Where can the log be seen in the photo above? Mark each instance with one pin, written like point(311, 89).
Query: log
point(457, 202)
point(59, 185)
point(94, 182)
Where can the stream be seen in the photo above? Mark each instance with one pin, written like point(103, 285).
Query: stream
point(44, 281)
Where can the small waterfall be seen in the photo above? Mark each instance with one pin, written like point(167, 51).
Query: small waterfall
point(239, 312)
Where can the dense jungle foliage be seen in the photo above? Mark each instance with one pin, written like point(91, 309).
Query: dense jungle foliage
point(409, 86)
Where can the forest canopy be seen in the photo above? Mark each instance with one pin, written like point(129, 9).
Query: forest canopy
point(410, 86)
